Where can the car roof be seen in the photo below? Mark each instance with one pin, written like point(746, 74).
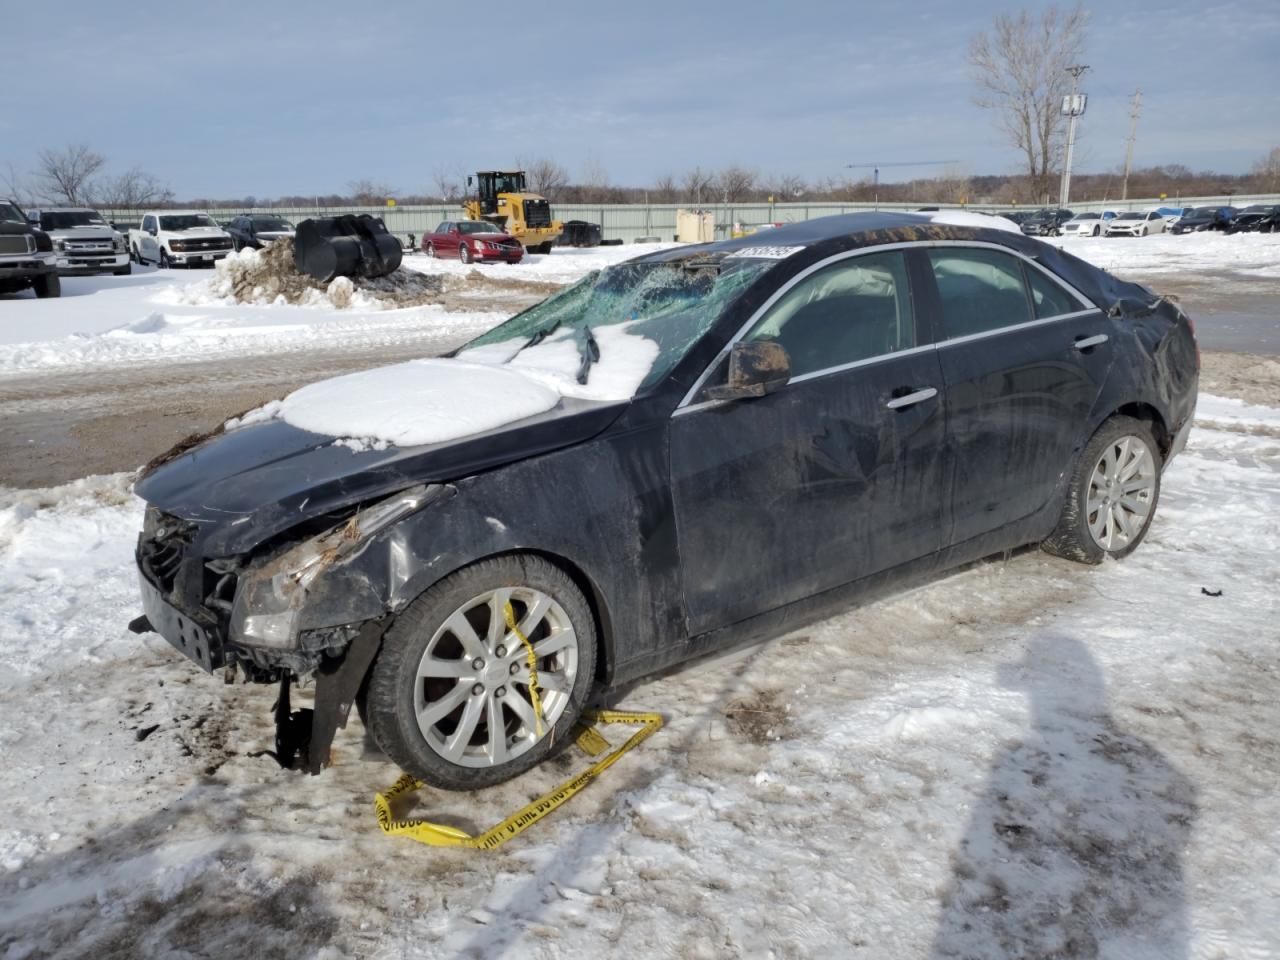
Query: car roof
point(861, 229)
point(68, 210)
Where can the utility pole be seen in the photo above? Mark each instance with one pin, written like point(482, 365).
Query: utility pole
point(1073, 107)
point(1134, 113)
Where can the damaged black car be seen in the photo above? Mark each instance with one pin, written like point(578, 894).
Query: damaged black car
point(738, 438)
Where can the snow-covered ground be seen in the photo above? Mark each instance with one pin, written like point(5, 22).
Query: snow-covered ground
point(157, 316)
point(176, 315)
point(1027, 758)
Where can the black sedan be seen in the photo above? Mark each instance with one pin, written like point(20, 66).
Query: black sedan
point(1258, 218)
point(1203, 218)
point(257, 230)
point(1046, 223)
point(822, 410)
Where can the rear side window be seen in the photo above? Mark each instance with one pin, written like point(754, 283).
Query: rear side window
point(1050, 299)
point(980, 290)
point(853, 310)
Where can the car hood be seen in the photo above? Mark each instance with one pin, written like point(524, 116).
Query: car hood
point(491, 237)
point(273, 234)
point(253, 482)
point(197, 233)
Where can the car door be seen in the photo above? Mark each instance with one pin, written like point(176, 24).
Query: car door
point(1023, 361)
point(837, 475)
point(150, 247)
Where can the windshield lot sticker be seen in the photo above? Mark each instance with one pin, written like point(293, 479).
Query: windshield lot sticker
point(764, 253)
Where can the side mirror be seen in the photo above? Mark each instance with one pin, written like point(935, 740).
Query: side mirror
point(756, 368)
point(33, 217)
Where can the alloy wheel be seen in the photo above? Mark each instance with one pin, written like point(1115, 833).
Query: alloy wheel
point(472, 699)
point(1121, 493)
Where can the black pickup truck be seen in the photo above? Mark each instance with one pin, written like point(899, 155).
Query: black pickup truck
point(26, 255)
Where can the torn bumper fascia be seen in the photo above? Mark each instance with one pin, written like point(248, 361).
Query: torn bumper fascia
point(267, 614)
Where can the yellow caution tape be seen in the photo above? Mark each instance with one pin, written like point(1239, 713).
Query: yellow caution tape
point(533, 668)
point(587, 738)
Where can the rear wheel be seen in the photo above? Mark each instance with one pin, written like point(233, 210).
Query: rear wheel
point(449, 695)
point(48, 285)
point(1113, 494)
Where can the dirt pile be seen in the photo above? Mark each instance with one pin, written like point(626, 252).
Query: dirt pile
point(267, 275)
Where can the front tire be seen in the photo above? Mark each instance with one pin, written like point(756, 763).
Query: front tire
point(448, 696)
point(1112, 496)
point(431, 250)
point(164, 260)
point(464, 253)
point(49, 285)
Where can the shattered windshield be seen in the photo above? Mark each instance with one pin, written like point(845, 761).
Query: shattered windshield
point(671, 304)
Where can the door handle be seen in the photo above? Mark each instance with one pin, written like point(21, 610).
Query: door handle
point(1084, 343)
point(911, 399)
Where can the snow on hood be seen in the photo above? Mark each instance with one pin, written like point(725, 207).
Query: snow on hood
point(440, 399)
point(964, 218)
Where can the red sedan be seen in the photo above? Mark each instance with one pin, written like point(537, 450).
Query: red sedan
point(471, 241)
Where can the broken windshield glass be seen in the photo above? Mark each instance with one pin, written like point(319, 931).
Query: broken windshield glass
point(671, 303)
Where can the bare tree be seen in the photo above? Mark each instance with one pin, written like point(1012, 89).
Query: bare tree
point(1019, 67)
point(447, 183)
point(696, 186)
point(66, 176)
point(665, 189)
point(735, 184)
point(370, 193)
point(544, 176)
point(16, 186)
point(784, 187)
point(132, 190)
point(593, 185)
point(1267, 172)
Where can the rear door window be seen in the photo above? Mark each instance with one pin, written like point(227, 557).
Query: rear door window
point(853, 310)
point(980, 290)
point(1050, 298)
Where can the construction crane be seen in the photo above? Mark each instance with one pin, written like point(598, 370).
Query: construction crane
point(875, 170)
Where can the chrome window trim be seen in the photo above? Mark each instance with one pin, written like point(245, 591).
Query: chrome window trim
point(686, 402)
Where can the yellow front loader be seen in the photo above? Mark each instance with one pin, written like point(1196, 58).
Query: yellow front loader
point(501, 199)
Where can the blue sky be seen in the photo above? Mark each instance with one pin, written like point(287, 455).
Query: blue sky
point(232, 99)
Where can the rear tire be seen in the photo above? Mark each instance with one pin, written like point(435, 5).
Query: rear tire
point(48, 285)
point(448, 667)
point(1111, 496)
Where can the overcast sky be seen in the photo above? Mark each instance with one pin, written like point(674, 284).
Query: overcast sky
point(232, 99)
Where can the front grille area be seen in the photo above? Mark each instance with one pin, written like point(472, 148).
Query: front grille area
point(213, 243)
point(163, 547)
point(22, 243)
point(537, 213)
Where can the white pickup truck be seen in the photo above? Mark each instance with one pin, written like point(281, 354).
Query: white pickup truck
point(178, 237)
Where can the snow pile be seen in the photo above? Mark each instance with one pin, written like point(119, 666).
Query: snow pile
point(422, 401)
point(966, 218)
point(435, 400)
point(269, 276)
